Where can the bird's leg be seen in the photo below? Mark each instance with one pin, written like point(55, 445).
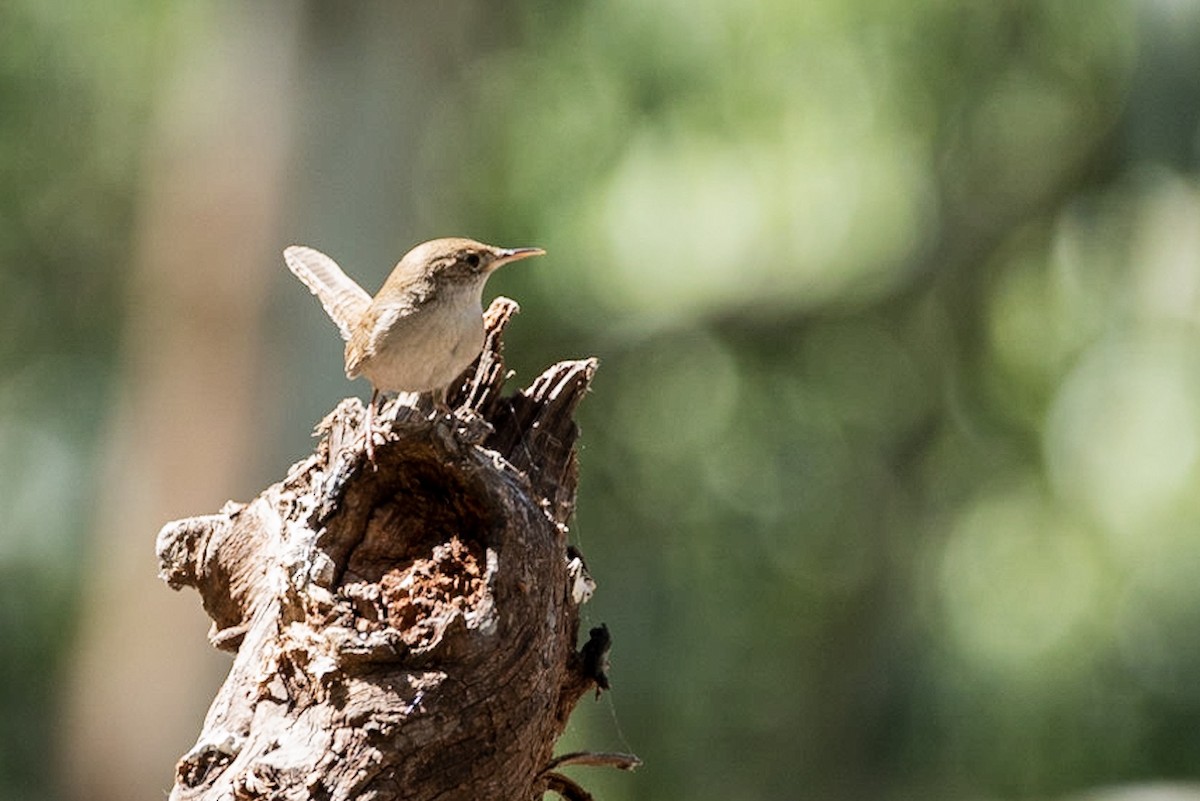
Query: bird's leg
point(367, 424)
point(440, 407)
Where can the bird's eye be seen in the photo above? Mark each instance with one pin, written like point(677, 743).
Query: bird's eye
point(472, 259)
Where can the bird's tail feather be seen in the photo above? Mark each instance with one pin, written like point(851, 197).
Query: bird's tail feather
point(344, 300)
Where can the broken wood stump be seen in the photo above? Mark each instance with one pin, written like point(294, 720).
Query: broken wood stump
point(407, 629)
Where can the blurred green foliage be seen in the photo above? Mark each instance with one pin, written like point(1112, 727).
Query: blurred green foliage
point(74, 94)
point(888, 475)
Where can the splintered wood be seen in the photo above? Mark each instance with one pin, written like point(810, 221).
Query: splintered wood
point(401, 630)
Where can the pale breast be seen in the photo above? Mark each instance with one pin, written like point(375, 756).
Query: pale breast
point(423, 350)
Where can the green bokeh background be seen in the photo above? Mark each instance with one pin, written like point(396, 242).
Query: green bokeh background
point(889, 474)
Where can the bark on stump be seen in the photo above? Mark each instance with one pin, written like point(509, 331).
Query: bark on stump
point(403, 632)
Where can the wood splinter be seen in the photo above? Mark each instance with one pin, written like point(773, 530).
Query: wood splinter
point(404, 632)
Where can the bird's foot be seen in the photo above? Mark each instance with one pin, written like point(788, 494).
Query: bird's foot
point(369, 448)
point(369, 431)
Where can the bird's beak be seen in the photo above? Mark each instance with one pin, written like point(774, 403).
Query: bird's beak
point(506, 255)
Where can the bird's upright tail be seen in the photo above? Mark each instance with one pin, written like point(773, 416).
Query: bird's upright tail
point(345, 301)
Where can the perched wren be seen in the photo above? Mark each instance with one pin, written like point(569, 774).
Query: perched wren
point(423, 328)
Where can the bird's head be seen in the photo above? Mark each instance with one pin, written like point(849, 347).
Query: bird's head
point(462, 261)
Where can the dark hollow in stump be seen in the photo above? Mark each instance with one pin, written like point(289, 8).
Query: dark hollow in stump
point(405, 630)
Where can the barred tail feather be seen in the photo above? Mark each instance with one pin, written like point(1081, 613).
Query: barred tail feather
point(345, 301)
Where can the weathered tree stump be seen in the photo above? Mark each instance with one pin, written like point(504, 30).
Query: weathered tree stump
point(402, 630)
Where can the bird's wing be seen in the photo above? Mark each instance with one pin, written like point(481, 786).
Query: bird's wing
point(344, 301)
point(361, 346)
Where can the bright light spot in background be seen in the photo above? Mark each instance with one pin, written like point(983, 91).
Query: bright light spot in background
point(1122, 434)
point(686, 224)
point(1019, 583)
point(695, 226)
point(1165, 253)
point(1152, 791)
point(854, 212)
point(830, 200)
point(1048, 307)
point(1125, 259)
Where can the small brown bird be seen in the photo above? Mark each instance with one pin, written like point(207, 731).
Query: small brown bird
point(425, 325)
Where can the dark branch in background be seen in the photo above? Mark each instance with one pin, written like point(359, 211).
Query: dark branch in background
point(407, 631)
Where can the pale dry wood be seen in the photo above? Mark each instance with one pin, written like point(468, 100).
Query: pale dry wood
point(405, 632)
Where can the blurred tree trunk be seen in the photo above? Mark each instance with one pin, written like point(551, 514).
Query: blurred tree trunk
point(353, 87)
point(185, 427)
